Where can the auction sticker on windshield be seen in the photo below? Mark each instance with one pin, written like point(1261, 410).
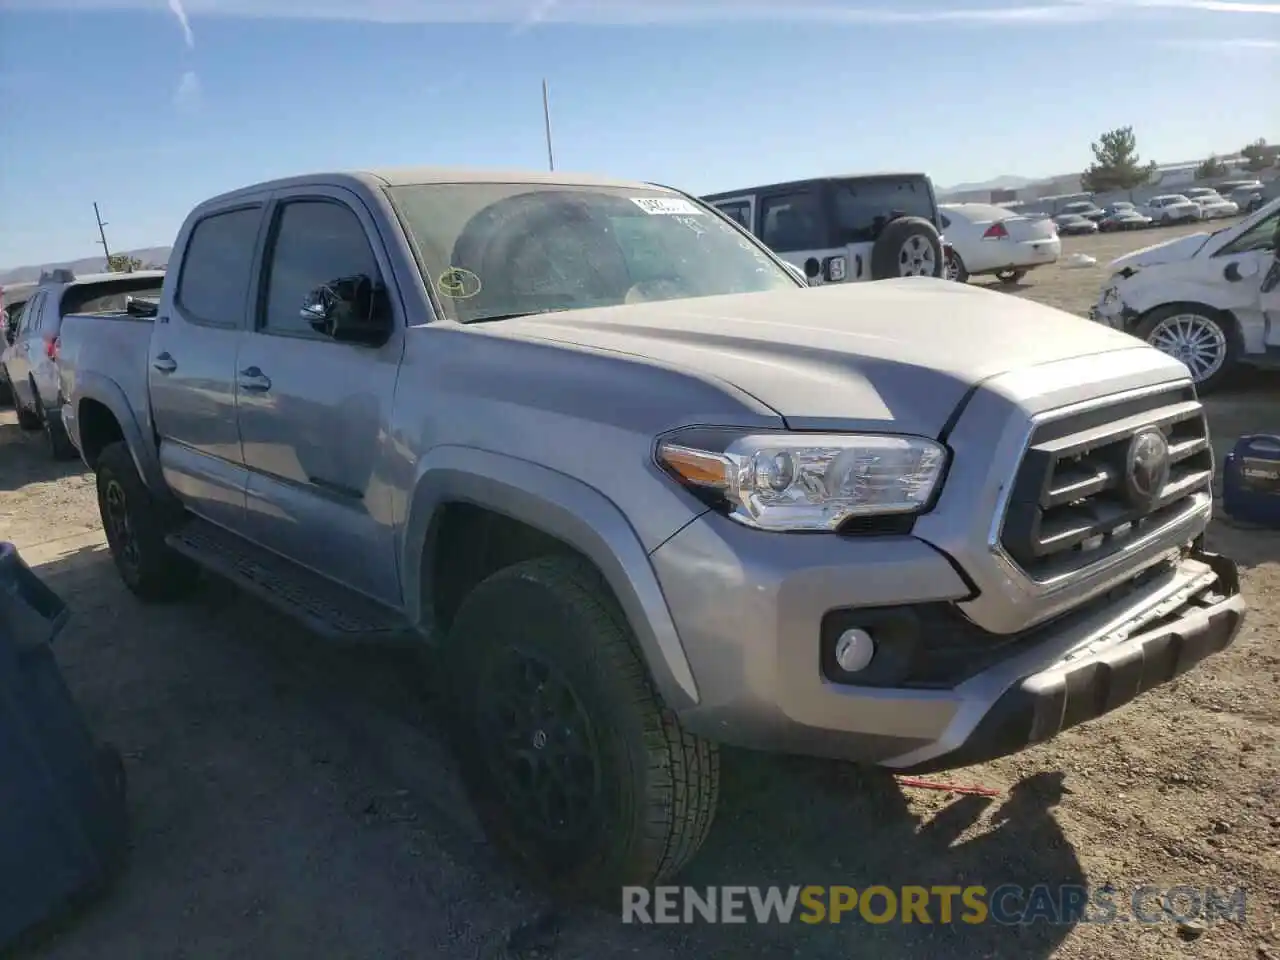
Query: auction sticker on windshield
point(668, 205)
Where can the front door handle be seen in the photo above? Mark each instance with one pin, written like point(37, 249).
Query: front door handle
point(253, 379)
point(165, 363)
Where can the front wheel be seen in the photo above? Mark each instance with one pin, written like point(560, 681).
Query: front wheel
point(135, 531)
point(1208, 344)
point(576, 769)
point(956, 270)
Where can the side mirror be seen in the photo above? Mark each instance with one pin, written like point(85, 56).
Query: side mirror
point(349, 310)
point(1237, 270)
point(812, 268)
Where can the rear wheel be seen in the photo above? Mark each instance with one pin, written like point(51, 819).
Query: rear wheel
point(576, 769)
point(1200, 337)
point(135, 531)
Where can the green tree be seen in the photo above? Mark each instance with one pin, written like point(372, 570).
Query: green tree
point(1116, 164)
point(1211, 169)
point(1259, 155)
point(123, 263)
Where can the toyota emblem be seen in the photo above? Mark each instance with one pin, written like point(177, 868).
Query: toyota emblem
point(1147, 467)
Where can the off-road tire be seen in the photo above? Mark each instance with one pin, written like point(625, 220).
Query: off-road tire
point(1146, 327)
point(888, 247)
point(158, 573)
point(661, 782)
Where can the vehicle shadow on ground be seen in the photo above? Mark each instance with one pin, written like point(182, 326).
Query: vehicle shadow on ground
point(27, 459)
point(792, 821)
point(220, 682)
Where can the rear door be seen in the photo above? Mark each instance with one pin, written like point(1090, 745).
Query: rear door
point(192, 361)
point(794, 223)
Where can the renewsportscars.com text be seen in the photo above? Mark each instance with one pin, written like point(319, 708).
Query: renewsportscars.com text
point(1008, 904)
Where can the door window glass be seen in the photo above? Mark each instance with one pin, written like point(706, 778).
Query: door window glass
point(217, 267)
point(316, 243)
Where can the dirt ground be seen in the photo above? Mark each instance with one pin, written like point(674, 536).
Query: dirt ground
point(292, 800)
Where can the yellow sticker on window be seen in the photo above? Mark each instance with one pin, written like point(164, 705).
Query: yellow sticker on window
point(457, 283)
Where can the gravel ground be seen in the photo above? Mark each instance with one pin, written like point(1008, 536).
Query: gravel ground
point(292, 800)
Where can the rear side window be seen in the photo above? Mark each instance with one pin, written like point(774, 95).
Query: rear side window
point(864, 207)
point(217, 267)
point(791, 222)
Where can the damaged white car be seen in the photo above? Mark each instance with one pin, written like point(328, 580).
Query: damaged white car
point(1212, 300)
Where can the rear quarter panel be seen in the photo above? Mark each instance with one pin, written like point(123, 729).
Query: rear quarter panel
point(103, 360)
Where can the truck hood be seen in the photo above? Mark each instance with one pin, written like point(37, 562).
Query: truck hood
point(1171, 251)
point(894, 354)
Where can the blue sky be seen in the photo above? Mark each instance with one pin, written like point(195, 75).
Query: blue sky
point(149, 106)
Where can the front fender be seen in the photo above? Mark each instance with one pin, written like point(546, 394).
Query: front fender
point(94, 386)
point(568, 510)
point(1233, 299)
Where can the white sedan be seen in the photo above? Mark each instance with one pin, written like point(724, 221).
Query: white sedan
point(1213, 206)
point(987, 239)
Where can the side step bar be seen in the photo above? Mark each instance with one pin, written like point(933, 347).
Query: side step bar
point(322, 605)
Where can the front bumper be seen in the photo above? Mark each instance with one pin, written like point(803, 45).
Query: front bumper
point(1102, 675)
point(750, 610)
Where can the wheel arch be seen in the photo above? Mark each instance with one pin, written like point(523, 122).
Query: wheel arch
point(1223, 313)
point(103, 415)
point(557, 512)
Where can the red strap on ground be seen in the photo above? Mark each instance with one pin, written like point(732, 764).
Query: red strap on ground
point(947, 787)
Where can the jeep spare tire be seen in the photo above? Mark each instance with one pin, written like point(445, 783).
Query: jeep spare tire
point(908, 247)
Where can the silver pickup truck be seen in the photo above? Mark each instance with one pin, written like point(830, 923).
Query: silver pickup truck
point(647, 493)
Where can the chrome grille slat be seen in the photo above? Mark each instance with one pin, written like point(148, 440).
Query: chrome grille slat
point(1068, 509)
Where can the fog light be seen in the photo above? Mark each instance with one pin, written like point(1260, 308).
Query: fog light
point(854, 650)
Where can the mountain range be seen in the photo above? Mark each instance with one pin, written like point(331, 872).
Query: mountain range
point(148, 255)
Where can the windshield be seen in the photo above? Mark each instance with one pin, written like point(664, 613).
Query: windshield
point(496, 250)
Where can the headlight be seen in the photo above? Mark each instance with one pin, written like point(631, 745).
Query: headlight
point(789, 481)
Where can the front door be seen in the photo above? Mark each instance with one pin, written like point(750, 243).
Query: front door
point(314, 412)
point(192, 364)
point(1250, 273)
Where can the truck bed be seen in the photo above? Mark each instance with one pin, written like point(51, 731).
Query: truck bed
point(112, 347)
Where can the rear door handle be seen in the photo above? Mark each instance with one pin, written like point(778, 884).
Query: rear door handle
point(165, 363)
point(251, 378)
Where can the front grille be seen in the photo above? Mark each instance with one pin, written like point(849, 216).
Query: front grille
point(1070, 508)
